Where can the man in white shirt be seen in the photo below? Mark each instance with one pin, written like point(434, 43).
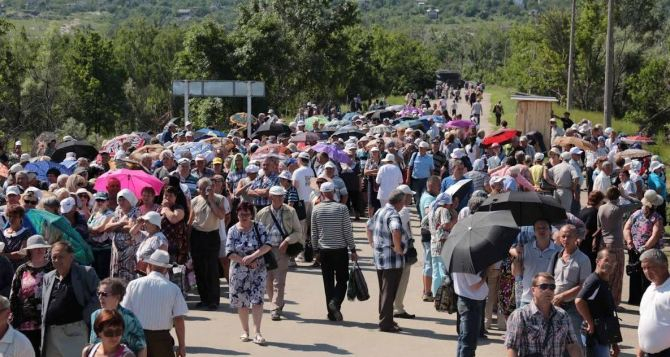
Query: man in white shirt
point(603, 181)
point(388, 178)
point(477, 110)
point(653, 333)
point(472, 291)
point(12, 342)
point(158, 304)
point(302, 177)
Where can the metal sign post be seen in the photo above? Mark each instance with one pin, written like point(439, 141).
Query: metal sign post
point(248, 89)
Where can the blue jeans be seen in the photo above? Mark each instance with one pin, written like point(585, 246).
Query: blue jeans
point(593, 348)
point(470, 312)
point(575, 320)
point(439, 273)
point(427, 260)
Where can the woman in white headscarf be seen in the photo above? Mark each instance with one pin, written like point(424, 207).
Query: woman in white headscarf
point(123, 244)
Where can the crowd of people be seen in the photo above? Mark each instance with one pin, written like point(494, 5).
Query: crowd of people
point(250, 209)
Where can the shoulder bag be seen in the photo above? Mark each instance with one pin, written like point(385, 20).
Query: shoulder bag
point(269, 257)
point(607, 330)
point(294, 248)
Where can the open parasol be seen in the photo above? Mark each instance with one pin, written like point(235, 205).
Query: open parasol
point(272, 150)
point(574, 141)
point(500, 136)
point(633, 154)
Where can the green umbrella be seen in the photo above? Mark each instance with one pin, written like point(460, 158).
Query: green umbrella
point(54, 227)
point(309, 122)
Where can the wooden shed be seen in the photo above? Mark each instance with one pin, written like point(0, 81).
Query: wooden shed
point(533, 113)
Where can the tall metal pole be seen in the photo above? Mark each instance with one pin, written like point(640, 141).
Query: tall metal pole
point(188, 91)
point(571, 59)
point(248, 109)
point(609, 65)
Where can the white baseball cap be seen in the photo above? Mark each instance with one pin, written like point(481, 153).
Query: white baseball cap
point(252, 169)
point(24, 158)
point(327, 187)
point(153, 218)
point(285, 175)
point(424, 145)
point(304, 155)
point(12, 190)
point(67, 205)
point(329, 165)
point(17, 143)
point(406, 190)
point(539, 156)
point(458, 153)
point(184, 160)
point(576, 151)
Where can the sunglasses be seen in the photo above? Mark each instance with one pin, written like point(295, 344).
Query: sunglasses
point(29, 202)
point(112, 332)
point(103, 294)
point(546, 286)
point(82, 195)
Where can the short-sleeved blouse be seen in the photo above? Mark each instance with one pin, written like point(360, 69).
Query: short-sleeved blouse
point(642, 228)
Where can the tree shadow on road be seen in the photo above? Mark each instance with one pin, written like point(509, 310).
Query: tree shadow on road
point(317, 347)
point(213, 351)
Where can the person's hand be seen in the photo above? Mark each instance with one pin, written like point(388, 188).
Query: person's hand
point(181, 351)
point(589, 328)
point(630, 244)
point(557, 300)
point(519, 250)
point(317, 257)
point(247, 260)
point(283, 246)
point(165, 204)
point(354, 257)
point(253, 265)
point(615, 350)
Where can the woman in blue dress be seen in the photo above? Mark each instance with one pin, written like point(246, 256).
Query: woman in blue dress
point(247, 243)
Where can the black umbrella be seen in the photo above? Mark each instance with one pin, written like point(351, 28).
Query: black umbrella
point(461, 189)
point(526, 207)
point(269, 128)
point(79, 147)
point(347, 131)
point(478, 241)
point(380, 114)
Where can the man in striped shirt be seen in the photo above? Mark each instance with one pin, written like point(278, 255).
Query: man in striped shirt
point(389, 242)
point(332, 236)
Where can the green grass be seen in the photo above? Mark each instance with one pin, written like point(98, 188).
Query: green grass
point(503, 94)
point(395, 99)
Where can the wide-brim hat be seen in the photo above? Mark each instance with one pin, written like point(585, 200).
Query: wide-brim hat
point(34, 242)
point(652, 199)
point(159, 258)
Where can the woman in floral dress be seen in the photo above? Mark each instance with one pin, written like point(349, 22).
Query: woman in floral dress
point(25, 299)
point(246, 244)
point(123, 245)
point(506, 292)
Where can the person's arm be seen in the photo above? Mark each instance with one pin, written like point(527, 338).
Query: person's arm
point(216, 206)
point(627, 234)
point(512, 353)
point(583, 309)
point(135, 228)
point(566, 295)
point(397, 241)
point(656, 234)
point(173, 216)
point(180, 329)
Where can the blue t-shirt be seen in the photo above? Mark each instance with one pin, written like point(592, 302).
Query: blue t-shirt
point(422, 166)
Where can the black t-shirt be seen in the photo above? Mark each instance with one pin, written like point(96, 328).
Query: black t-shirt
point(597, 294)
point(63, 306)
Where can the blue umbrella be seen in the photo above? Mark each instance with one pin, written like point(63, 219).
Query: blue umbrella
point(349, 116)
point(207, 132)
point(436, 118)
point(41, 168)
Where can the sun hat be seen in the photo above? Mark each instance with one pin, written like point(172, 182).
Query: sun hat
point(329, 165)
point(184, 160)
point(35, 241)
point(655, 165)
point(304, 155)
point(24, 158)
point(566, 156)
point(424, 145)
point(539, 156)
point(285, 175)
point(15, 168)
point(389, 158)
point(458, 153)
point(374, 148)
point(159, 258)
point(67, 205)
point(496, 179)
point(652, 199)
point(277, 191)
point(153, 218)
point(406, 190)
point(252, 169)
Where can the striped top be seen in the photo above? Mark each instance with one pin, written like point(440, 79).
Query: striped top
point(331, 227)
point(155, 301)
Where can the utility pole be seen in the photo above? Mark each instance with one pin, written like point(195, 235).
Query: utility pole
point(571, 59)
point(609, 65)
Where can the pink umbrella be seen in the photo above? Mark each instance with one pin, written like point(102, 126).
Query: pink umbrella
point(460, 124)
point(134, 180)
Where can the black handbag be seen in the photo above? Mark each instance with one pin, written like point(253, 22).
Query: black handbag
point(293, 249)
point(634, 265)
point(300, 210)
point(269, 257)
point(352, 290)
point(412, 256)
point(607, 329)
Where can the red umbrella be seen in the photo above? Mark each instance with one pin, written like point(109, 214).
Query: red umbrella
point(638, 139)
point(271, 150)
point(500, 136)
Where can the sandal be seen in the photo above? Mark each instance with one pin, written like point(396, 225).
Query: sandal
point(244, 337)
point(259, 340)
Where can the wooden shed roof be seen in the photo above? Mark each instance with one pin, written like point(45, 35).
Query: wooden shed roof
point(532, 98)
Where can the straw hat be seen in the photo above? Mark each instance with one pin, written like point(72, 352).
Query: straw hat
point(159, 258)
point(652, 199)
point(34, 242)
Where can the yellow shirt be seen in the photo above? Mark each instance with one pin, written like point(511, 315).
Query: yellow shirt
point(536, 174)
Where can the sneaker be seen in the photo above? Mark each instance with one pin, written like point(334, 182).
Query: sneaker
point(428, 297)
point(275, 315)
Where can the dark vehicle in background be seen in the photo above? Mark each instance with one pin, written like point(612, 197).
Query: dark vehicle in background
point(452, 78)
